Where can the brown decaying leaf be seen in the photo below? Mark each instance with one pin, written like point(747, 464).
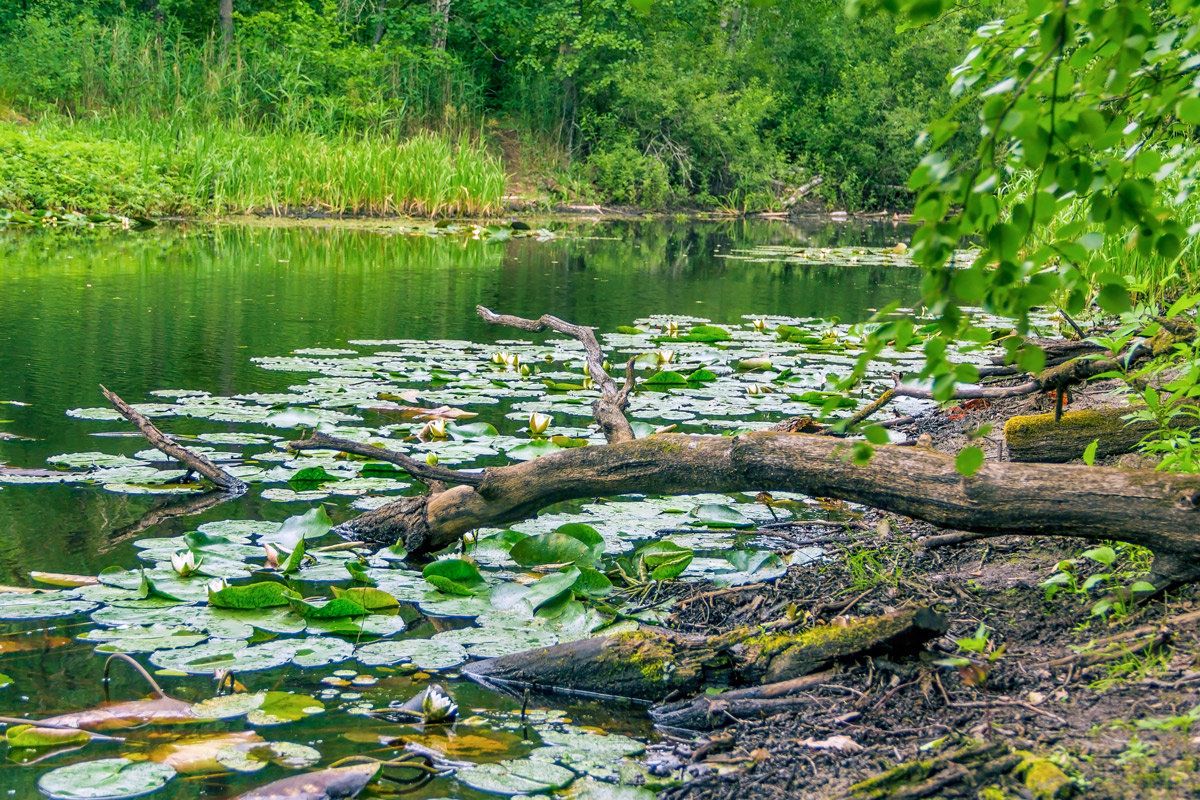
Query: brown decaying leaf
point(340, 783)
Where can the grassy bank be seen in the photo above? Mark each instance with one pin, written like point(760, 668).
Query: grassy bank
point(161, 166)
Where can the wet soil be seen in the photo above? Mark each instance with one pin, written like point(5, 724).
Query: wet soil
point(1038, 713)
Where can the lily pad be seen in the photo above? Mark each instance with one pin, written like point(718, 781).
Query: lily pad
point(253, 756)
point(423, 653)
point(105, 779)
point(516, 777)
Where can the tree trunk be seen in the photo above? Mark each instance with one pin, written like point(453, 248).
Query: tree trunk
point(1155, 509)
point(225, 12)
point(380, 23)
point(655, 664)
point(440, 24)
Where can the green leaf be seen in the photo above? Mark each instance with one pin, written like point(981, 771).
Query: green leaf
point(294, 560)
point(1089, 452)
point(1103, 555)
point(720, 516)
point(664, 560)
point(105, 779)
point(1114, 299)
point(968, 461)
point(369, 598)
point(30, 736)
point(876, 435)
point(553, 548)
point(310, 478)
point(666, 378)
point(264, 594)
point(312, 524)
point(454, 576)
point(332, 609)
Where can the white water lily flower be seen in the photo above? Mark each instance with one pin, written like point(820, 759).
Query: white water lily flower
point(665, 356)
point(538, 423)
point(185, 563)
point(217, 584)
point(759, 324)
point(434, 429)
point(438, 706)
point(671, 328)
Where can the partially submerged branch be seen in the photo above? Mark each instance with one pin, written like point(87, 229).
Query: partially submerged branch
point(418, 469)
point(610, 408)
point(193, 461)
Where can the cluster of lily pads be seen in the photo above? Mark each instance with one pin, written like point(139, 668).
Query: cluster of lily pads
point(42, 218)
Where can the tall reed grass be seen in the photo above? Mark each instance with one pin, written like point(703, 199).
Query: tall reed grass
point(146, 166)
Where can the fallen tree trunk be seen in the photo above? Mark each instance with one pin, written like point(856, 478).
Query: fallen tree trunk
point(707, 712)
point(1037, 437)
point(1155, 509)
point(656, 664)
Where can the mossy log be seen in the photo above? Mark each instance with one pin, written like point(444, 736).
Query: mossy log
point(656, 664)
point(1037, 437)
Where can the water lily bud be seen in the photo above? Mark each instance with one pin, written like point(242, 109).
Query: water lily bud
point(512, 359)
point(753, 389)
point(672, 328)
point(217, 585)
point(665, 356)
point(184, 563)
point(431, 459)
point(759, 324)
point(497, 358)
point(434, 429)
point(525, 370)
point(587, 383)
point(272, 556)
point(538, 423)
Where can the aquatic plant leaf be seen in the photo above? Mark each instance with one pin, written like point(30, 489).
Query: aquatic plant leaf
point(666, 378)
point(369, 598)
point(317, 651)
point(41, 605)
point(665, 560)
point(454, 576)
point(720, 516)
point(516, 777)
point(198, 754)
point(312, 524)
point(326, 609)
point(553, 587)
point(253, 756)
point(527, 451)
point(215, 654)
point(424, 653)
point(105, 779)
point(552, 548)
point(280, 707)
point(264, 594)
point(339, 783)
point(32, 736)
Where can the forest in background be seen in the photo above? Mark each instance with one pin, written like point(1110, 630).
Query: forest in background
point(185, 106)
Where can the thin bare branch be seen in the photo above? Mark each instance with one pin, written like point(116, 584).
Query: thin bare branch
point(193, 461)
point(418, 469)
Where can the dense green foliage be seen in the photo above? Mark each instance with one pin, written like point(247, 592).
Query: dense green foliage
point(654, 103)
point(1080, 191)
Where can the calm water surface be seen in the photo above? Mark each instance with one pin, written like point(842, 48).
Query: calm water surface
point(187, 307)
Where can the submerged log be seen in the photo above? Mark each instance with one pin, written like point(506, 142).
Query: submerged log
point(656, 664)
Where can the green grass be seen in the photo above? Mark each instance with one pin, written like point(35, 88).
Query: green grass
point(151, 166)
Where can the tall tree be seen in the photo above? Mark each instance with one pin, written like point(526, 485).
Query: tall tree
point(440, 23)
point(225, 12)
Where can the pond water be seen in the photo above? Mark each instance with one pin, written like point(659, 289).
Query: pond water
point(188, 307)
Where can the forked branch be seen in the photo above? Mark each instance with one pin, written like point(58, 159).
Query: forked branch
point(423, 472)
point(609, 410)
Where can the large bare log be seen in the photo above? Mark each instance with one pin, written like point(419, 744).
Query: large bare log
point(1155, 509)
point(655, 664)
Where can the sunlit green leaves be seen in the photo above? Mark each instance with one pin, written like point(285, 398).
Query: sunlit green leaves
point(105, 779)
